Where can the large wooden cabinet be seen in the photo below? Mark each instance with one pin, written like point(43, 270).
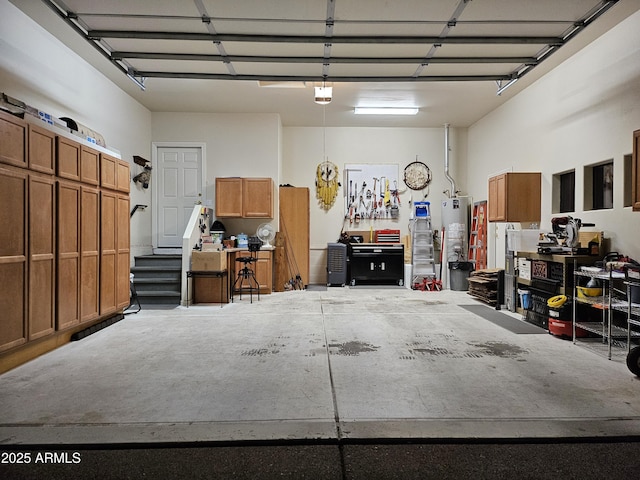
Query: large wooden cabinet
point(58, 219)
point(515, 197)
point(635, 172)
point(244, 197)
point(294, 228)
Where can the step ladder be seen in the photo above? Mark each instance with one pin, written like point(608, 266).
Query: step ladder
point(423, 269)
point(478, 237)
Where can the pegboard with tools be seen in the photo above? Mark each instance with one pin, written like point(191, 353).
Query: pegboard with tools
point(371, 192)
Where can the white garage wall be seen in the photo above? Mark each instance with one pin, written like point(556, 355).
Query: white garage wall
point(237, 145)
point(303, 149)
point(583, 112)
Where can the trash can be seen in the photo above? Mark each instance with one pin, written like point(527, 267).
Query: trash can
point(459, 275)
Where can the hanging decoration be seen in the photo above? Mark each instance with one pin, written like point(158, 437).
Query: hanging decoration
point(327, 184)
point(417, 175)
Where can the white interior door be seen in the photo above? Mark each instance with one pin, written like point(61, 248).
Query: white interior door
point(179, 174)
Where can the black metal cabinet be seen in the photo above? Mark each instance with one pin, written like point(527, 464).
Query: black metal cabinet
point(376, 264)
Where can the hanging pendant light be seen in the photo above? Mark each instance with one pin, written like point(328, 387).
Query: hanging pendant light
point(323, 94)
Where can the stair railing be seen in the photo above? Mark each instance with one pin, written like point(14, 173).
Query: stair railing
point(191, 237)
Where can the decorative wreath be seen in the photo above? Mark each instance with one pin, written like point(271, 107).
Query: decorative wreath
point(327, 184)
point(417, 175)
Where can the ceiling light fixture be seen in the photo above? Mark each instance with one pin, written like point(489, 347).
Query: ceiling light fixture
point(323, 95)
point(386, 111)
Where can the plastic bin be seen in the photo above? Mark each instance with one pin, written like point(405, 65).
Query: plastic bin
point(525, 298)
point(459, 275)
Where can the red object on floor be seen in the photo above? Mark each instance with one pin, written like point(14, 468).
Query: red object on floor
point(562, 328)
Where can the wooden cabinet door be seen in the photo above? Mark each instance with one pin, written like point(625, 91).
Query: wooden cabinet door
point(635, 172)
point(68, 159)
point(108, 171)
point(228, 197)
point(263, 269)
point(42, 252)
point(68, 245)
point(42, 150)
point(89, 166)
point(496, 211)
point(122, 176)
point(13, 140)
point(13, 257)
point(90, 254)
point(294, 227)
point(122, 247)
point(257, 197)
point(108, 251)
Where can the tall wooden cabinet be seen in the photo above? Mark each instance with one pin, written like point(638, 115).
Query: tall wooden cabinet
point(635, 172)
point(68, 271)
point(89, 254)
point(64, 241)
point(13, 256)
point(515, 197)
point(294, 227)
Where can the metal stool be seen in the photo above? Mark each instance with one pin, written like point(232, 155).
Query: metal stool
point(246, 274)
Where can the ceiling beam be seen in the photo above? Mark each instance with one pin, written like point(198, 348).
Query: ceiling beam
point(402, 39)
point(320, 78)
point(117, 55)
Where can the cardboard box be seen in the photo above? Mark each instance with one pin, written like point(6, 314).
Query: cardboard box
point(211, 247)
point(207, 290)
point(208, 261)
point(524, 268)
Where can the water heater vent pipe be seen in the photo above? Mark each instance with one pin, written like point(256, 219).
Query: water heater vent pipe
point(452, 192)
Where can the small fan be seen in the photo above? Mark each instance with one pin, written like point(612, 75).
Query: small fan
point(266, 233)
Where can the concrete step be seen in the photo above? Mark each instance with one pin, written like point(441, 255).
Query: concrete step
point(156, 260)
point(151, 272)
point(155, 285)
point(159, 297)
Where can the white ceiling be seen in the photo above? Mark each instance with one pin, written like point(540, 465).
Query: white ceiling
point(446, 57)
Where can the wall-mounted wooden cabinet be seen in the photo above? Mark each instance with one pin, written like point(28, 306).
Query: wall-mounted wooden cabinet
point(515, 197)
point(244, 197)
point(635, 172)
point(89, 166)
point(13, 140)
point(42, 148)
point(68, 159)
point(108, 171)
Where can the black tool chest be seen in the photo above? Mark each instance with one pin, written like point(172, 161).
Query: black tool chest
point(376, 263)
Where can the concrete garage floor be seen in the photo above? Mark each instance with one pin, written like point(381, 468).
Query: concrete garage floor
point(364, 383)
point(345, 364)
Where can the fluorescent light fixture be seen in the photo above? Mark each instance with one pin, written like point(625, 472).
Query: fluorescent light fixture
point(386, 111)
point(323, 95)
point(279, 84)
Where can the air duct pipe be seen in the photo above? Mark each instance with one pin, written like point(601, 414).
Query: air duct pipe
point(452, 192)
